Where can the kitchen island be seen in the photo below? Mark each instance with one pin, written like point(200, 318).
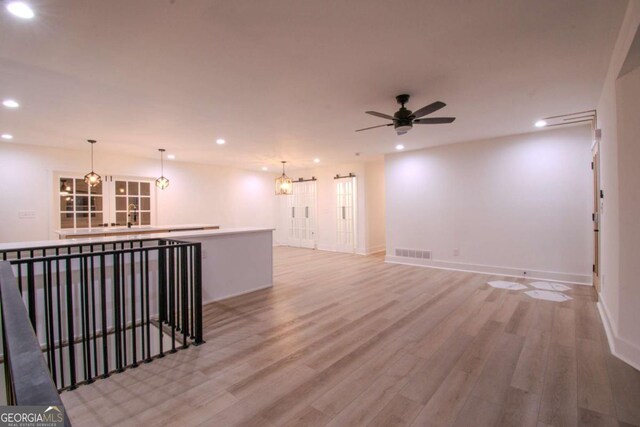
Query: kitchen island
point(135, 229)
point(235, 261)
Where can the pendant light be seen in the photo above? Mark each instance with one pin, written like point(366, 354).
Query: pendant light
point(162, 182)
point(284, 184)
point(92, 178)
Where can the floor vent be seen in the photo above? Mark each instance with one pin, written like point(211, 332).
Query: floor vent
point(413, 253)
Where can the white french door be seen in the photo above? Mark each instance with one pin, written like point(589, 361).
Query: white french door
point(301, 212)
point(346, 197)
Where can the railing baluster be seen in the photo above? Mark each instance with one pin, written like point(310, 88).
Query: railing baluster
point(50, 325)
point(31, 292)
point(123, 303)
point(147, 305)
point(172, 296)
point(70, 334)
point(134, 354)
point(92, 288)
point(103, 312)
point(86, 343)
point(184, 288)
point(116, 305)
point(46, 285)
point(197, 307)
point(59, 316)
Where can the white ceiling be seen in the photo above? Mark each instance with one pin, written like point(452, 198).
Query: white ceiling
point(291, 79)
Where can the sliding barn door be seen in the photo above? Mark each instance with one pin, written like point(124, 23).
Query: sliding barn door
point(301, 211)
point(346, 196)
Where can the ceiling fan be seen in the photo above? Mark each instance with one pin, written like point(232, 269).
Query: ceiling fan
point(403, 120)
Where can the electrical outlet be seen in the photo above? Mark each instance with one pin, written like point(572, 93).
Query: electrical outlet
point(456, 252)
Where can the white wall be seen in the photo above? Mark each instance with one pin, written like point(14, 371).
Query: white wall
point(375, 238)
point(508, 205)
point(618, 110)
point(370, 188)
point(197, 193)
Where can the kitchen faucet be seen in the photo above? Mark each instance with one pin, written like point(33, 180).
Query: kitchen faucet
point(132, 210)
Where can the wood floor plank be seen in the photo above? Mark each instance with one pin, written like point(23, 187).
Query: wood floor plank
point(478, 413)
point(559, 396)
point(594, 391)
point(495, 380)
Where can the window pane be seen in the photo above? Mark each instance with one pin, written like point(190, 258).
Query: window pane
point(133, 204)
point(66, 186)
point(66, 220)
point(96, 219)
point(66, 203)
point(97, 189)
point(121, 203)
point(82, 203)
point(81, 187)
point(82, 220)
point(145, 203)
point(133, 188)
point(145, 189)
point(121, 218)
point(96, 203)
point(145, 218)
point(121, 188)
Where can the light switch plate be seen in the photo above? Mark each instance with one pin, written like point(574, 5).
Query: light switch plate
point(26, 214)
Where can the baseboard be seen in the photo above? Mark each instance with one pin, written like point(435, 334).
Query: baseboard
point(622, 349)
point(372, 250)
point(576, 279)
point(358, 251)
point(259, 288)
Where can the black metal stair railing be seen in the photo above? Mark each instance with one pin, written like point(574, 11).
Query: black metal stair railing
point(101, 308)
point(23, 363)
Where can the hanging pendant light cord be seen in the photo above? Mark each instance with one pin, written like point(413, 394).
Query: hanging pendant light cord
point(92, 157)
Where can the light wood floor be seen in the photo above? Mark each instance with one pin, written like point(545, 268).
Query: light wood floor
point(346, 340)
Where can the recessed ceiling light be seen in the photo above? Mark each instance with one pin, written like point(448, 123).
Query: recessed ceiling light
point(220, 141)
point(171, 156)
point(399, 147)
point(316, 160)
point(20, 9)
point(264, 168)
point(540, 124)
point(7, 136)
point(10, 103)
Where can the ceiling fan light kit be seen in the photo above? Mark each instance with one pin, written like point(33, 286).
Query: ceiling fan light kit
point(404, 119)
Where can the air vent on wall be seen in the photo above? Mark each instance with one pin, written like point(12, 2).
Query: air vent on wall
point(413, 253)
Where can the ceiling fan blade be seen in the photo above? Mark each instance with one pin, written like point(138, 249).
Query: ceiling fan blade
point(434, 120)
point(384, 116)
point(373, 127)
point(431, 108)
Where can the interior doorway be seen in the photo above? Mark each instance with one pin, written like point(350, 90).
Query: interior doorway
point(595, 166)
point(346, 204)
point(301, 215)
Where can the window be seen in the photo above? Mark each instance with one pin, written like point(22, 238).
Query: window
point(116, 202)
point(133, 202)
point(80, 205)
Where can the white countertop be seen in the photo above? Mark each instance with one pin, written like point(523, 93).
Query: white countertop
point(124, 229)
point(173, 235)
